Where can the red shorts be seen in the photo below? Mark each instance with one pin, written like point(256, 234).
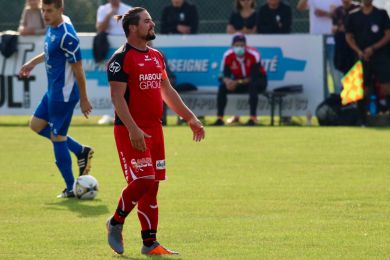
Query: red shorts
point(136, 164)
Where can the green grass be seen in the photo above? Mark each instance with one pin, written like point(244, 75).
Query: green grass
point(243, 193)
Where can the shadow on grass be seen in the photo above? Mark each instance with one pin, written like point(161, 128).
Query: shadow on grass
point(84, 208)
point(126, 257)
point(176, 257)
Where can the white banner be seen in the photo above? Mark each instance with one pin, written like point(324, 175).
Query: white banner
point(288, 59)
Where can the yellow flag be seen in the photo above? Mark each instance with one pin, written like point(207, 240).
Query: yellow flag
point(353, 85)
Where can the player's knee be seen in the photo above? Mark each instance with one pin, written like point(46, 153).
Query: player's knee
point(34, 127)
point(37, 124)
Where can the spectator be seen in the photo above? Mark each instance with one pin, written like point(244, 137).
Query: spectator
point(320, 13)
point(344, 57)
point(179, 17)
point(31, 22)
point(105, 18)
point(274, 17)
point(368, 34)
point(243, 18)
point(242, 73)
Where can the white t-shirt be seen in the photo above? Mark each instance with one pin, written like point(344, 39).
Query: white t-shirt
point(321, 25)
point(114, 27)
point(384, 4)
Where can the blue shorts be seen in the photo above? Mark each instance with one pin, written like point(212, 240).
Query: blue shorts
point(58, 114)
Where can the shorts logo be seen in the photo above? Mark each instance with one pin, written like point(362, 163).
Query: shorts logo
point(139, 164)
point(114, 67)
point(160, 164)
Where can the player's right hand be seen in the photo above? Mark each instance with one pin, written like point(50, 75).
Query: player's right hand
point(25, 70)
point(137, 139)
point(86, 107)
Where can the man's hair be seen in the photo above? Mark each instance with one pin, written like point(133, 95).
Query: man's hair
point(130, 18)
point(57, 3)
point(238, 6)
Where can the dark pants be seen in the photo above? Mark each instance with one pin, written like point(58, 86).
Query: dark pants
point(252, 89)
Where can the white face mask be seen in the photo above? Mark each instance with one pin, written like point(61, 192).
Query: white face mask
point(239, 51)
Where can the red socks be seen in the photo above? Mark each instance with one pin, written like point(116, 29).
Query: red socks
point(130, 196)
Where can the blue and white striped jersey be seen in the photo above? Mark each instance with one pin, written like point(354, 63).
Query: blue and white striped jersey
point(62, 48)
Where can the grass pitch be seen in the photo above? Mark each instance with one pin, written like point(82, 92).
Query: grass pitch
point(243, 193)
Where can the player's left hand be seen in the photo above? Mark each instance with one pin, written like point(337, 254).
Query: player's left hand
point(86, 107)
point(197, 129)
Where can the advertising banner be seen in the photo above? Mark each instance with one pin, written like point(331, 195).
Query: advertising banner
point(288, 59)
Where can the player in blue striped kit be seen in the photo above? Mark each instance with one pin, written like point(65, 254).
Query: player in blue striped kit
point(66, 87)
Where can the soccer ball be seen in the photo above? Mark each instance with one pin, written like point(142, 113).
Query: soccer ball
point(85, 187)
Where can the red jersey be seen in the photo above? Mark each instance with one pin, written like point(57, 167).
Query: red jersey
point(143, 72)
point(239, 68)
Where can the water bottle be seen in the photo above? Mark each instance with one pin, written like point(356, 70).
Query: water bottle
point(372, 108)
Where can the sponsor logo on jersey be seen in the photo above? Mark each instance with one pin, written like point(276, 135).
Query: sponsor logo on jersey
point(114, 67)
point(160, 164)
point(150, 81)
point(147, 58)
point(151, 76)
point(234, 65)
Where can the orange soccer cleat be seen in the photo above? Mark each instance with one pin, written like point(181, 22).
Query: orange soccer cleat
point(157, 249)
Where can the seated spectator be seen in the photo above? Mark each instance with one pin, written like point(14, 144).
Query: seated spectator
point(242, 73)
point(344, 57)
point(179, 17)
point(274, 17)
point(243, 18)
point(31, 22)
point(105, 18)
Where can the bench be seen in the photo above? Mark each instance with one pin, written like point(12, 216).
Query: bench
point(276, 96)
point(205, 102)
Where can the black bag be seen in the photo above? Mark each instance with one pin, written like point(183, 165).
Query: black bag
point(100, 47)
point(332, 113)
point(9, 44)
point(185, 87)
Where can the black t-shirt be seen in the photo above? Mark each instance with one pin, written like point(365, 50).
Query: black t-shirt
point(272, 21)
point(369, 29)
point(172, 16)
point(340, 14)
point(238, 22)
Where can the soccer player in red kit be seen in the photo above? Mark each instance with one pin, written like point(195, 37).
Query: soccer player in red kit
point(139, 85)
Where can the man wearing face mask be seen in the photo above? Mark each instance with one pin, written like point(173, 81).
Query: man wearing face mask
point(242, 73)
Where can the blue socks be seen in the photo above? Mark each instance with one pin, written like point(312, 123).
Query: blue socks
point(45, 132)
point(64, 163)
point(62, 155)
point(73, 145)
